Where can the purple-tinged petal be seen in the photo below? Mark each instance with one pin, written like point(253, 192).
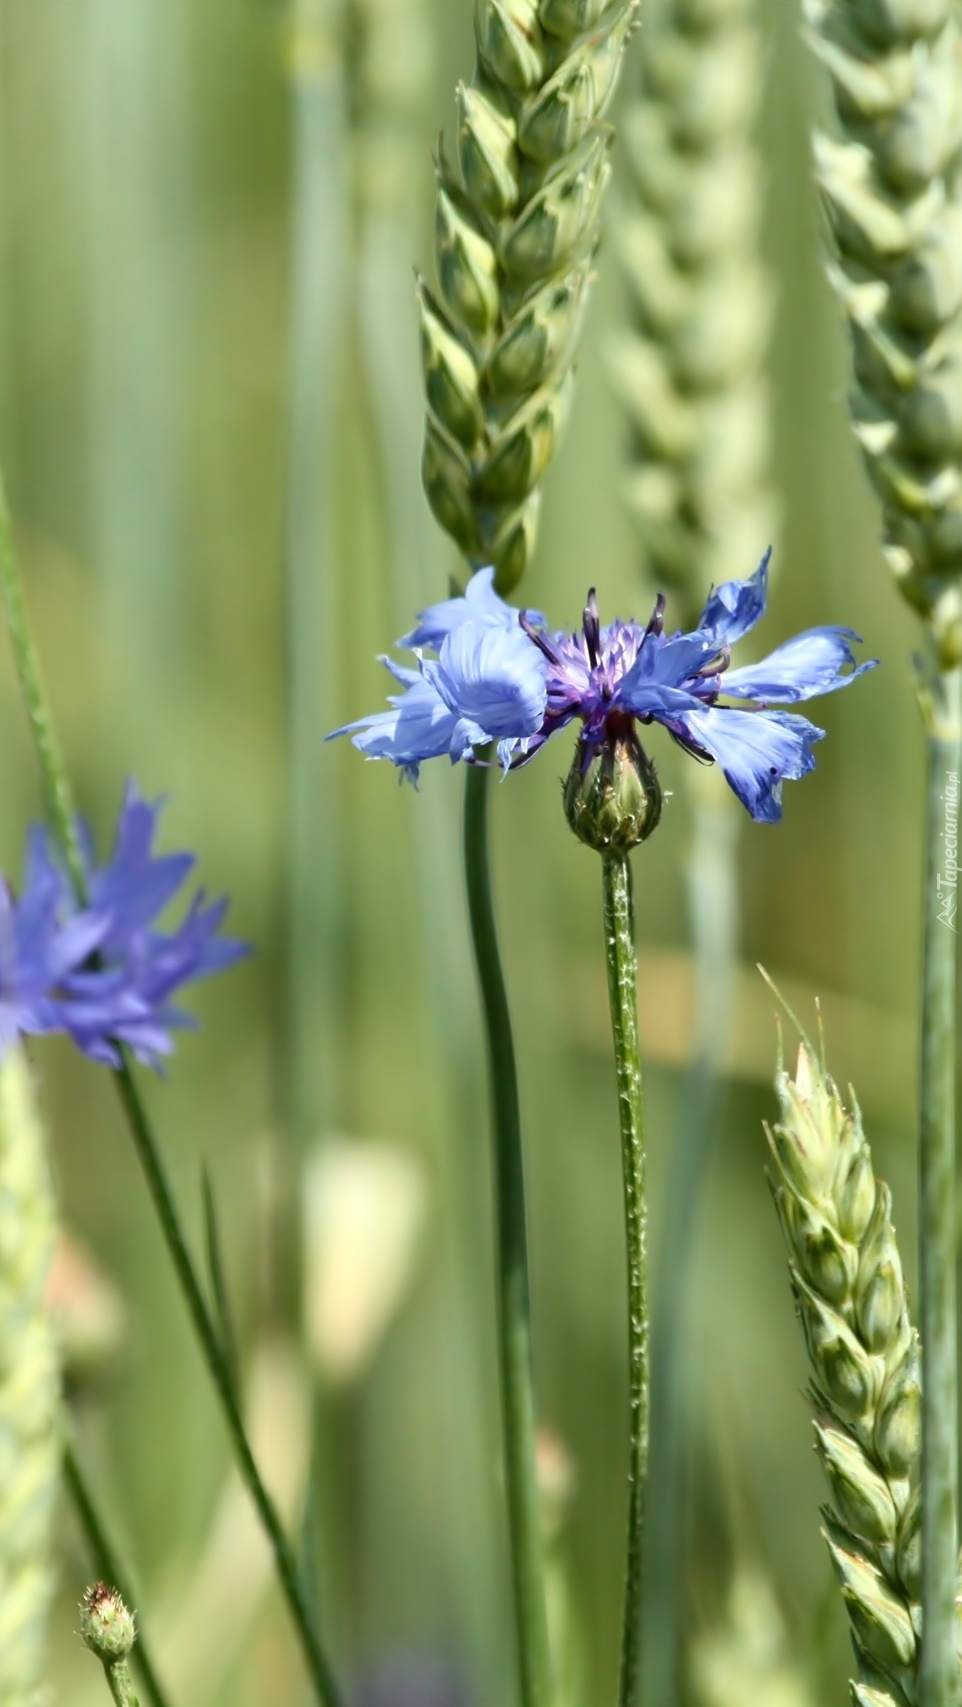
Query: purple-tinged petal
point(735, 607)
point(757, 751)
point(480, 604)
point(419, 726)
point(818, 661)
point(492, 677)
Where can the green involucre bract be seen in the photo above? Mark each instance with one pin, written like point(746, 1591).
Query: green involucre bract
point(866, 1377)
point(516, 228)
point(689, 372)
point(29, 1388)
point(890, 181)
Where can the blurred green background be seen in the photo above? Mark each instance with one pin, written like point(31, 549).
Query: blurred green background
point(181, 452)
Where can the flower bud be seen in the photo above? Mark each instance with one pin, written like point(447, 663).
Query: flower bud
point(467, 268)
point(615, 802)
point(507, 537)
point(568, 18)
point(450, 376)
point(880, 1621)
point(519, 456)
point(570, 102)
point(863, 1497)
point(843, 1369)
point(106, 1626)
point(446, 474)
point(509, 42)
point(880, 1295)
point(557, 219)
point(855, 1197)
point(908, 1556)
point(898, 1421)
point(540, 338)
point(828, 1263)
point(487, 153)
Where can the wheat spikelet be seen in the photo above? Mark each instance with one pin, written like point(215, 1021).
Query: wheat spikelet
point(689, 372)
point(890, 182)
point(29, 1395)
point(516, 227)
point(847, 1279)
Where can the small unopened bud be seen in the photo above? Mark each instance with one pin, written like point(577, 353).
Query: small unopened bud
point(106, 1626)
point(615, 802)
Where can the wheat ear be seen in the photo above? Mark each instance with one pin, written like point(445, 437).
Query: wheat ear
point(29, 1388)
point(890, 181)
point(689, 371)
point(516, 228)
point(847, 1279)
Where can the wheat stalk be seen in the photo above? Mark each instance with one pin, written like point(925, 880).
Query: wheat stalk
point(689, 371)
point(515, 232)
point(890, 182)
point(29, 1388)
point(847, 1280)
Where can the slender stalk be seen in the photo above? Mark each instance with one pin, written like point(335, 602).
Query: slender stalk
point(59, 804)
point(514, 1309)
point(120, 1683)
point(937, 1200)
point(104, 1560)
point(622, 996)
point(713, 911)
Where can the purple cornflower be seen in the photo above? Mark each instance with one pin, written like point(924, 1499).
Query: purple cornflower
point(102, 972)
point(484, 687)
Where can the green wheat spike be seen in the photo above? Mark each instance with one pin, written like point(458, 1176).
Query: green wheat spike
point(29, 1388)
point(689, 370)
point(517, 221)
point(890, 182)
point(846, 1276)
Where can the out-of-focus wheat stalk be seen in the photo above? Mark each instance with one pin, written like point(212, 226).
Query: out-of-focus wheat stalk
point(689, 372)
point(29, 1387)
point(690, 368)
point(515, 233)
point(891, 184)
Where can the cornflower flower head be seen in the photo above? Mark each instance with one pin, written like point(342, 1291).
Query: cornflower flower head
point(101, 971)
point(41, 943)
point(501, 676)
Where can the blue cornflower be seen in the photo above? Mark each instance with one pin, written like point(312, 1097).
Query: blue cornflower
point(135, 960)
point(102, 972)
point(42, 940)
point(482, 687)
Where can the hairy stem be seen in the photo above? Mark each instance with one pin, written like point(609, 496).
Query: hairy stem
point(120, 1683)
point(936, 1202)
point(59, 803)
point(514, 1309)
point(104, 1561)
point(622, 996)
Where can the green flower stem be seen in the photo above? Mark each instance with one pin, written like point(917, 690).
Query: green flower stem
point(104, 1561)
point(517, 1381)
point(120, 1683)
point(937, 1206)
point(622, 996)
point(59, 804)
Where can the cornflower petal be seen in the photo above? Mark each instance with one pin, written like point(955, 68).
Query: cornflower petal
point(734, 608)
point(818, 661)
point(757, 750)
point(419, 726)
point(492, 677)
point(480, 604)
